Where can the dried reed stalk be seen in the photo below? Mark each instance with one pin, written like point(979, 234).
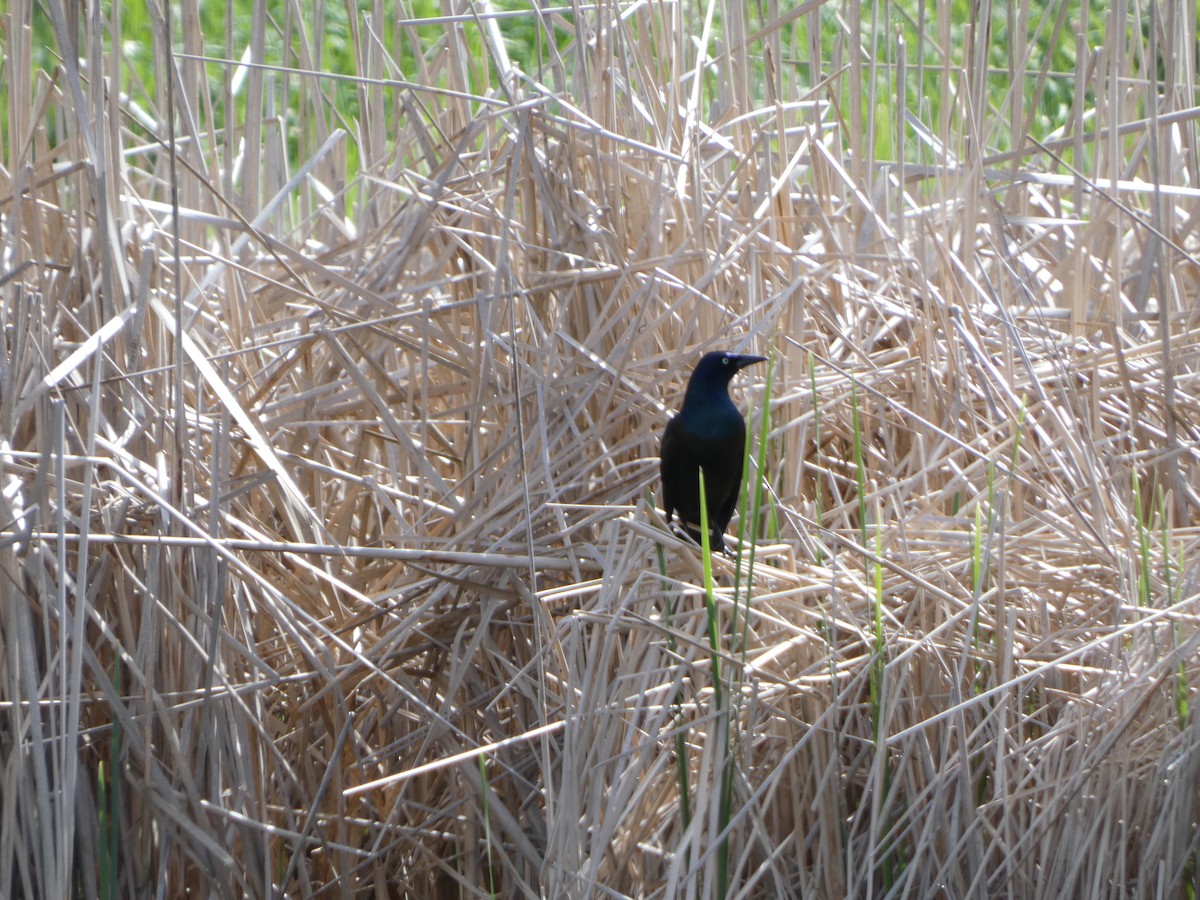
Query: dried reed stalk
point(328, 451)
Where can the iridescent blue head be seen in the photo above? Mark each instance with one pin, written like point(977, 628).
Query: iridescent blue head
point(715, 370)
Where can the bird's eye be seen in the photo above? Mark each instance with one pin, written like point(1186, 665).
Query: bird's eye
point(724, 360)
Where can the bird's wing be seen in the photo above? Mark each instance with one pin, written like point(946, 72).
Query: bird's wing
point(732, 477)
point(669, 466)
point(725, 513)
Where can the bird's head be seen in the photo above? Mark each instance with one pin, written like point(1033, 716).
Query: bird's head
point(721, 367)
point(715, 370)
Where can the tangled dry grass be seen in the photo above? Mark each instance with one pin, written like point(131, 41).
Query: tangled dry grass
point(330, 561)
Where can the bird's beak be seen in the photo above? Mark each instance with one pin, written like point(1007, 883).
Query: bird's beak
point(749, 361)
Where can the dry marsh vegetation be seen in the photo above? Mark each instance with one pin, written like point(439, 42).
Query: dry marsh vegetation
point(329, 417)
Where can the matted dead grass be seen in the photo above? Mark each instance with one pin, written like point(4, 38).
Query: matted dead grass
point(330, 559)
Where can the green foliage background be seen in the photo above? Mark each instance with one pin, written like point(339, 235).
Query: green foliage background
point(897, 33)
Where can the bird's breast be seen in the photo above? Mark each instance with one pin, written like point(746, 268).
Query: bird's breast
point(715, 423)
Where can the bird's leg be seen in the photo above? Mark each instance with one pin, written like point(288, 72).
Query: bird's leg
point(716, 542)
point(679, 531)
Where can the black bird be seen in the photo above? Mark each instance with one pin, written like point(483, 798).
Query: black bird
point(710, 434)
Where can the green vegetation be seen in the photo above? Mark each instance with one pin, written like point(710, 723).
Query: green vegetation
point(892, 59)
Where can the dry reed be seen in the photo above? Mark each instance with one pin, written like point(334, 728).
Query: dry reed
point(329, 445)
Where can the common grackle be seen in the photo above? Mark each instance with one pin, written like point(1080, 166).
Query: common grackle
point(710, 434)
